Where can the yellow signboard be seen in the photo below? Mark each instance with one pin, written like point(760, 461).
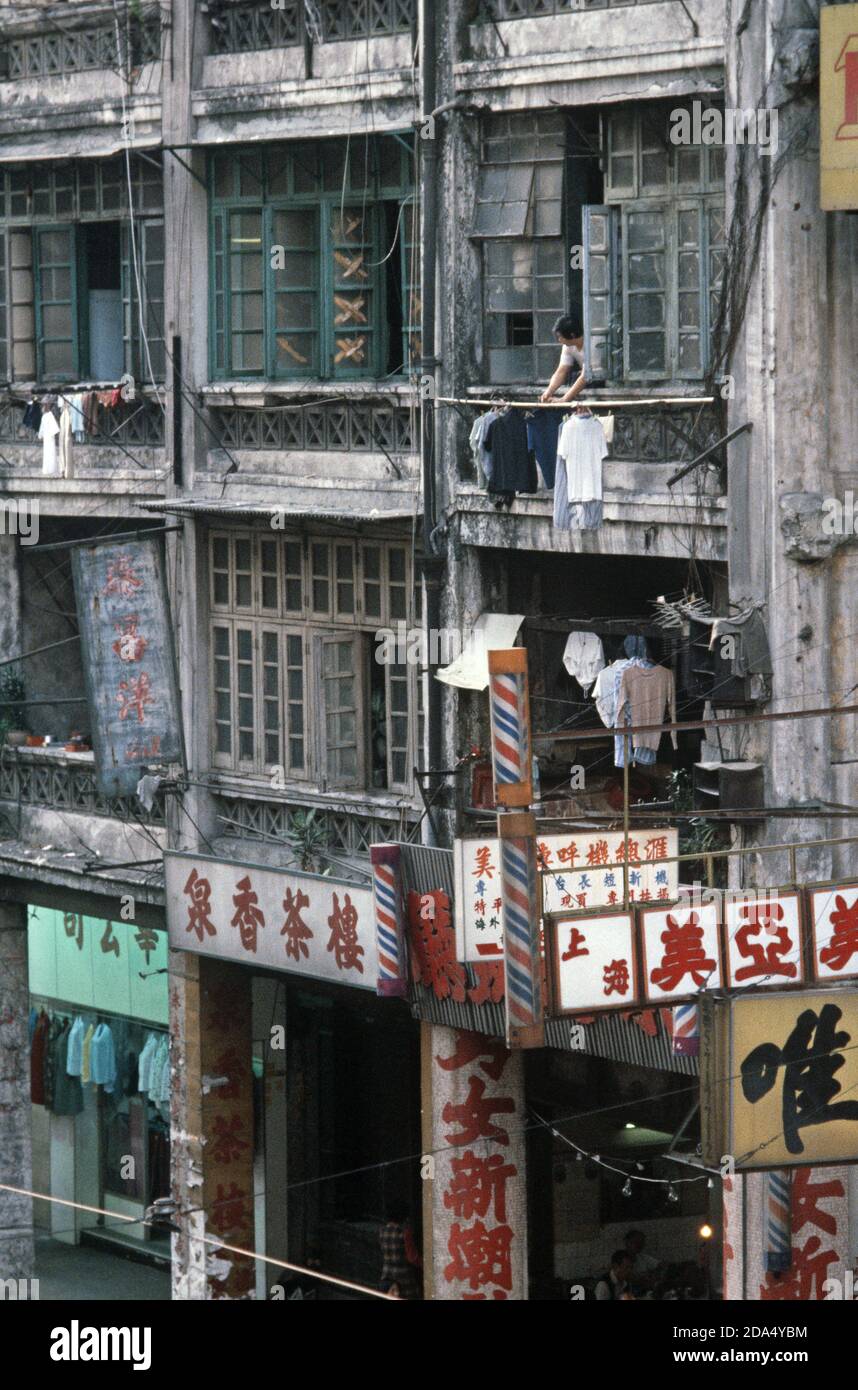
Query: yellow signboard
point(838, 107)
point(779, 1078)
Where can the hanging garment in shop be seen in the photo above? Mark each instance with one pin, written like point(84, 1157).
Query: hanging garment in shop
point(103, 1057)
point(59, 1026)
point(477, 442)
point(543, 430)
point(649, 693)
point(578, 481)
point(67, 1090)
point(159, 1081)
point(584, 657)
point(144, 1065)
point(512, 468)
point(86, 1055)
point(48, 433)
point(37, 1058)
point(75, 1047)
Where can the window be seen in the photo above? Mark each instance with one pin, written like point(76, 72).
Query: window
point(313, 261)
point(80, 273)
point(295, 680)
point(4, 350)
point(653, 253)
point(518, 218)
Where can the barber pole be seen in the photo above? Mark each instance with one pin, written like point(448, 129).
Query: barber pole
point(389, 929)
point(778, 1252)
point(520, 920)
point(686, 1030)
point(510, 719)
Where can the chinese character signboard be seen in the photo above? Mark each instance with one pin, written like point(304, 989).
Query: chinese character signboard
point(582, 880)
point(834, 931)
point(838, 107)
point(479, 1207)
point(779, 1078)
point(763, 940)
point(593, 962)
point(273, 918)
point(128, 660)
point(681, 951)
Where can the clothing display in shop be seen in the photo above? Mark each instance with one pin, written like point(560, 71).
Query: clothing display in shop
point(578, 480)
point(67, 1090)
point(543, 430)
point(510, 463)
point(48, 433)
point(648, 691)
point(751, 656)
point(144, 1063)
point(159, 1075)
point(584, 657)
point(38, 1048)
point(103, 1057)
point(86, 1058)
point(75, 1047)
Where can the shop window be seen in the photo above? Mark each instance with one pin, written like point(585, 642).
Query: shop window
point(653, 254)
point(313, 262)
point(295, 680)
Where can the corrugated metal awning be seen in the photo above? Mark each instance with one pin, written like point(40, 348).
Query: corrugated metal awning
point(298, 512)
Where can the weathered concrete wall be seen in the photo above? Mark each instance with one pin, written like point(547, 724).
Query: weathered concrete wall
point(16, 1213)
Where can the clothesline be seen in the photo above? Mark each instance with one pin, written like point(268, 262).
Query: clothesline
point(613, 404)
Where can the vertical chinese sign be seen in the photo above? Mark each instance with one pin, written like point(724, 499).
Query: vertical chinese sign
point(128, 660)
point(838, 107)
point(479, 1206)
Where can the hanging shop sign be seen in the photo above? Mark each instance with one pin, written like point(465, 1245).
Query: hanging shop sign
point(779, 1078)
point(833, 912)
point(580, 871)
point(95, 964)
point(478, 1189)
point(593, 962)
point(680, 951)
point(274, 918)
point(763, 941)
point(838, 107)
point(128, 660)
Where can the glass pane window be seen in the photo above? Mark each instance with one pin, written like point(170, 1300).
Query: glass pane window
point(246, 693)
point(270, 685)
point(295, 700)
point(351, 251)
point(293, 565)
point(243, 572)
point(646, 291)
point(220, 571)
point(222, 648)
point(269, 573)
point(372, 582)
point(341, 710)
point(246, 298)
point(295, 272)
point(397, 583)
point(320, 576)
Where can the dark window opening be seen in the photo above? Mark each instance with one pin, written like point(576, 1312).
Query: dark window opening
point(101, 305)
point(392, 243)
point(519, 330)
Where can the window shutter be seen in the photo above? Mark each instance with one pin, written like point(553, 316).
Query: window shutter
point(57, 331)
point(602, 293)
point(340, 687)
point(150, 258)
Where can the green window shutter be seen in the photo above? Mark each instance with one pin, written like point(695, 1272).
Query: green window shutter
point(648, 273)
point(4, 325)
point(58, 338)
point(602, 293)
point(218, 334)
point(293, 275)
point(149, 236)
point(691, 291)
point(354, 307)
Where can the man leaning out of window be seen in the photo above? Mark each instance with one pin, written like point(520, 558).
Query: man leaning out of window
point(567, 331)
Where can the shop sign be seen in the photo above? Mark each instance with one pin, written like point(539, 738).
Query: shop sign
point(838, 107)
point(581, 871)
point(96, 964)
point(477, 1167)
point(779, 1078)
point(834, 931)
point(128, 661)
point(275, 918)
point(680, 952)
point(594, 962)
point(762, 939)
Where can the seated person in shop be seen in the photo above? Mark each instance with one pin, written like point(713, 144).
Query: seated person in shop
point(645, 1269)
point(568, 333)
point(615, 1283)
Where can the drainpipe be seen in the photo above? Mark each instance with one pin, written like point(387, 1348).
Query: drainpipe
point(433, 559)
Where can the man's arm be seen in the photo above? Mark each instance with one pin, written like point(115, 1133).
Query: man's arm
point(555, 383)
point(576, 387)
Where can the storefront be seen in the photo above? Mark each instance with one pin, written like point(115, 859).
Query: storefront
point(99, 1078)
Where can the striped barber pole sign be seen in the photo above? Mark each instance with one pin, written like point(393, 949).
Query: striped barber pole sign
point(686, 1030)
point(520, 920)
point(510, 720)
point(778, 1253)
point(389, 927)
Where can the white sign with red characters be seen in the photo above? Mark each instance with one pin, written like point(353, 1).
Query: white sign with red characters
point(575, 877)
point(274, 918)
point(834, 929)
point(594, 965)
point(763, 940)
point(681, 952)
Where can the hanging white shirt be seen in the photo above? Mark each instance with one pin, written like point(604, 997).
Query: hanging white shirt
point(582, 446)
point(584, 657)
point(48, 431)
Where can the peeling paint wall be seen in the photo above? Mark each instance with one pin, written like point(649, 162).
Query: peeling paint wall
point(16, 1213)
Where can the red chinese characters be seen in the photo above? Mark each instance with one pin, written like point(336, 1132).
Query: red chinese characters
point(682, 951)
point(834, 916)
point(248, 916)
point(134, 696)
point(843, 943)
point(481, 1240)
point(763, 940)
point(804, 1280)
point(129, 645)
point(294, 928)
point(433, 946)
point(199, 890)
point(122, 579)
point(343, 923)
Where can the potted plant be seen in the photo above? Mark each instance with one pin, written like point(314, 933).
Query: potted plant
point(12, 695)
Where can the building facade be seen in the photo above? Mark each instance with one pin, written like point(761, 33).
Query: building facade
point(273, 262)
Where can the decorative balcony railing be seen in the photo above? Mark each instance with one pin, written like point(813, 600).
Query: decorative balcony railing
point(354, 427)
point(244, 28)
point(37, 780)
point(347, 832)
point(139, 422)
point(498, 10)
point(61, 50)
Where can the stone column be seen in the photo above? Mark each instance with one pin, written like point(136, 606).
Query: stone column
point(211, 1127)
point(17, 1251)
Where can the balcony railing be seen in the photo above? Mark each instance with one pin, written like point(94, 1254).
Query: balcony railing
point(497, 10)
point(347, 832)
point(245, 28)
point(139, 422)
point(62, 50)
point(356, 428)
point(48, 779)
